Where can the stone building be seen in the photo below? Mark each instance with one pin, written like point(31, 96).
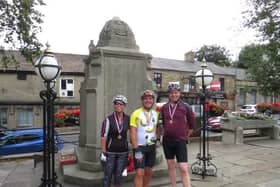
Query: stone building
point(21, 106)
point(165, 71)
point(20, 103)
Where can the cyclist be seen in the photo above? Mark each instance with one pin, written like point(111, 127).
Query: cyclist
point(144, 133)
point(114, 144)
point(178, 122)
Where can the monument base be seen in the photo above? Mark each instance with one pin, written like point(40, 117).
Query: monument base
point(87, 173)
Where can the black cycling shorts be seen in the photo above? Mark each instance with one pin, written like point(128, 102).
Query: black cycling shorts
point(149, 157)
point(175, 148)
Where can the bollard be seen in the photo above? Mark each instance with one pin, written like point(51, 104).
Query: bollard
point(239, 135)
point(276, 132)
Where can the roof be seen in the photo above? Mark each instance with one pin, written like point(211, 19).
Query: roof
point(71, 63)
point(74, 63)
point(184, 66)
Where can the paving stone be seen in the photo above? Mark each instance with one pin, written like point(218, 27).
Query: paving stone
point(258, 177)
point(238, 166)
point(272, 183)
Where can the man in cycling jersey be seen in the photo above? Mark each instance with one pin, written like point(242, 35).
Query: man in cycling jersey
point(144, 132)
point(178, 122)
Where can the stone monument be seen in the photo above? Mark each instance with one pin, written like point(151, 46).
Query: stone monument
point(114, 66)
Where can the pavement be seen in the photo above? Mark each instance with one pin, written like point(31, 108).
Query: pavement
point(253, 164)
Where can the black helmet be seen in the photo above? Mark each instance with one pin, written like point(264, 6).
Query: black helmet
point(172, 87)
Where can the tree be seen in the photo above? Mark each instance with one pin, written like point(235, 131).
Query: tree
point(250, 55)
point(19, 26)
point(261, 68)
point(264, 17)
point(213, 53)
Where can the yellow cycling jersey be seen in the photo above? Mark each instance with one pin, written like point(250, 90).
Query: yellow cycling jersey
point(146, 123)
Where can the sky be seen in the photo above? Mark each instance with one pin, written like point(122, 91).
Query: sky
point(162, 28)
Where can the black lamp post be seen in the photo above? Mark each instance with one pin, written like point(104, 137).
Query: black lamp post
point(49, 69)
point(203, 165)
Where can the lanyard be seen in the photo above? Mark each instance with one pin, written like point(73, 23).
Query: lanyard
point(149, 117)
point(172, 112)
point(119, 125)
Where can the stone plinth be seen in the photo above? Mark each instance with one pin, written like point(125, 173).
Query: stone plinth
point(114, 66)
point(233, 129)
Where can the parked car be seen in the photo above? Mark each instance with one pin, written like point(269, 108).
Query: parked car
point(214, 123)
point(25, 141)
point(2, 129)
point(249, 109)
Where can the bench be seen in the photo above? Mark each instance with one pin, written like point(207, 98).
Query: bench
point(233, 130)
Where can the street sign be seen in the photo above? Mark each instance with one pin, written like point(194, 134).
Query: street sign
point(215, 85)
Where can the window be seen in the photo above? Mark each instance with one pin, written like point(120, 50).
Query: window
point(197, 109)
point(25, 117)
point(27, 138)
point(192, 83)
point(222, 81)
point(3, 117)
point(186, 88)
point(253, 97)
point(66, 88)
point(21, 76)
point(158, 79)
point(242, 96)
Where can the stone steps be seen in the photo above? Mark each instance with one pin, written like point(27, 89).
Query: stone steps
point(74, 175)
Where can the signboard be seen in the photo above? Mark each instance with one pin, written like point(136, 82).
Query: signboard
point(215, 85)
point(218, 95)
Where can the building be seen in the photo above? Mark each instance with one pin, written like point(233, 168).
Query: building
point(236, 89)
point(165, 71)
point(21, 105)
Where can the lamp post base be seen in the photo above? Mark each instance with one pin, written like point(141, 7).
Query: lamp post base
point(204, 167)
point(50, 183)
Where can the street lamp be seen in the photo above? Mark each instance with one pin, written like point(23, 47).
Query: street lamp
point(49, 69)
point(203, 166)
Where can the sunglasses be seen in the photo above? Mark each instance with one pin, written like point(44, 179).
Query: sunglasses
point(118, 103)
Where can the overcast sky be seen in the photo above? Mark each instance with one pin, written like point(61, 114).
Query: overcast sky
point(163, 28)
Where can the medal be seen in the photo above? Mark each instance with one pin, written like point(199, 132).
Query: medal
point(172, 112)
point(119, 126)
point(149, 121)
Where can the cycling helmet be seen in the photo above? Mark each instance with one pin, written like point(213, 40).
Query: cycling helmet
point(120, 98)
point(147, 93)
point(172, 87)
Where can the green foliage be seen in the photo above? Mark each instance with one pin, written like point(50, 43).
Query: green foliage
point(263, 67)
point(213, 53)
point(264, 17)
point(250, 55)
point(19, 26)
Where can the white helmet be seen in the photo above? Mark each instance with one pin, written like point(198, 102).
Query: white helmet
point(120, 98)
point(172, 87)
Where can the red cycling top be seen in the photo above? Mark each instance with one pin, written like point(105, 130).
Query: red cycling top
point(176, 121)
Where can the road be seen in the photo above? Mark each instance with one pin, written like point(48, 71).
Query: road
point(70, 141)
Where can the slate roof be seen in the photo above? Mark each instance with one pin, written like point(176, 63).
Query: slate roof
point(74, 63)
point(71, 63)
point(180, 65)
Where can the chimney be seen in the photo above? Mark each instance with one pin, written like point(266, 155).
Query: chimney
point(189, 56)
